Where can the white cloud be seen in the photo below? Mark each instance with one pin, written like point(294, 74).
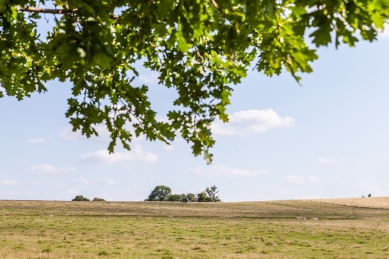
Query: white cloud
point(110, 181)
point(249, 122)
point(50, 169)
point(329, 160)
point(313, 179)
point(168, 147)
point(150, 79)
point(225, 171)
point(294, 178)
point(73, 192)
point(81, 179)
point(384, 33)
point(104, 136)
point(57, 183)
point(10, 182)
point(68, 134)
point(136, 154)
point(34, 181)
point(35, 140)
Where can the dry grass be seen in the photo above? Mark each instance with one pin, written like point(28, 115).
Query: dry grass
point(372, 202)
point(37, 229)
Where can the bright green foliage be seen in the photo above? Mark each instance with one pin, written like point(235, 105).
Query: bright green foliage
point(160, 193)
point(80, 198)
point(199, 48)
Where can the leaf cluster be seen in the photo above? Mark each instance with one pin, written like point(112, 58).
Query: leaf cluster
point(201, 49)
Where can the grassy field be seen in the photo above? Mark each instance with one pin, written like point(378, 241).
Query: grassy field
point(274, 229)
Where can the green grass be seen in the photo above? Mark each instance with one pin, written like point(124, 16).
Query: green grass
point(33, 229)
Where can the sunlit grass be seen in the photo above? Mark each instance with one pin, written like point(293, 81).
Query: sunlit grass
point(175, 230)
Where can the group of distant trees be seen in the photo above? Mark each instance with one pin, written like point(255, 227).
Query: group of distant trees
point(164, 193)
point(82, 198)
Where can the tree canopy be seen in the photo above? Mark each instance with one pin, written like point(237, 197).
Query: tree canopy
point(199, 48)
point(80, 198)
point(160, 193)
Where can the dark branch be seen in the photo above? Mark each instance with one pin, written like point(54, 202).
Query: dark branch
point(54, 11)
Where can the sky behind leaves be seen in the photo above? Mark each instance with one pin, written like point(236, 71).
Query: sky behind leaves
point(326, 138)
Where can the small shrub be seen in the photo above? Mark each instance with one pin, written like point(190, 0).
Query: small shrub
point(19, 247)
point(189, 197)
point(176, 197)
point(47, 250)
point(102, 253)
point(80, 198)
point(98, 199)
point(369, 195)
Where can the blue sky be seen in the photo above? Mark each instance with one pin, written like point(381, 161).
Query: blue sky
point(326, 138)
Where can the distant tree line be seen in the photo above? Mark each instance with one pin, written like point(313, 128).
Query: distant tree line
point(164, 193)
point(82, 198)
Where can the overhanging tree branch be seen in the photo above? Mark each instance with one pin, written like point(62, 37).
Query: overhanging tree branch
point(54, 11)
point(45, 10)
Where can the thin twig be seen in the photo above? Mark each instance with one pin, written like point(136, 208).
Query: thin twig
point(54, 11)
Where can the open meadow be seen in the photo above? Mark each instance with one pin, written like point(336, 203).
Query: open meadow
point(273, 229)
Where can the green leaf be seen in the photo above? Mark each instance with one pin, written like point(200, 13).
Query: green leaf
point(181, 42)
point(103, 60)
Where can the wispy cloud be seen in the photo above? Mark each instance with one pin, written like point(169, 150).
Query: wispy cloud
point(313, 179)
point(50, 169)
point(384, 33)
point(73, 192)
point(329, 160)
point(35, 140)
point(251, 122)
point(57, 183)
point(110, 181)
point(294, 178)
point(81, 180)
point(69, 135)
point(225, 171)
point(10, 182)
point(103, 156)
point(168, 147)
point(104, 136)
point(149, 79)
